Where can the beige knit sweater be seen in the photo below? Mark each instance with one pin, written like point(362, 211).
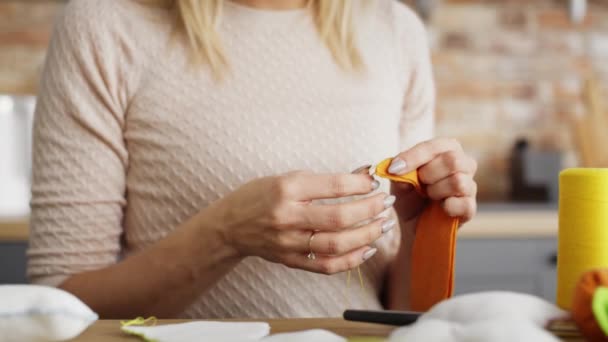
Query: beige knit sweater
point(131, 140)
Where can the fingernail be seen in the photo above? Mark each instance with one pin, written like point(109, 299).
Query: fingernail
point(369, 253)
point(375, 185)
point(389, 201)
point(363, 169)
point(388, 225)
point(397, 167)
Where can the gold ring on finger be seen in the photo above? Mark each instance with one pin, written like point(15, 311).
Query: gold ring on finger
point(311, 255)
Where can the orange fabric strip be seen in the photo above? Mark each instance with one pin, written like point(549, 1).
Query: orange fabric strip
point(432, 277)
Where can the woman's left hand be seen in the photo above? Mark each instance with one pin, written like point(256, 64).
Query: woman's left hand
point(445, 170)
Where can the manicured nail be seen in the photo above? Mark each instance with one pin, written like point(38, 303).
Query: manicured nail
point(397, 167)
point(369, 253)
point(375, 185)
point(389, 201)
point(363, 169)
point(388, 225)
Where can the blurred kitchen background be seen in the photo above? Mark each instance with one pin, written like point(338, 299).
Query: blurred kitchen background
point(521, 83)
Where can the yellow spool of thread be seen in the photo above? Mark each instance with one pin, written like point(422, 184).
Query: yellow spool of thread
point(583, 228)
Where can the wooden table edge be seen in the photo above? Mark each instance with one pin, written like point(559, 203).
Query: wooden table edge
point(109, 330)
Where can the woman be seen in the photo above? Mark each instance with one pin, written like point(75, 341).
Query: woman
point(181, 148)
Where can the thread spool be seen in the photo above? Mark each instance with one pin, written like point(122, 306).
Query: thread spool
point(583, 228)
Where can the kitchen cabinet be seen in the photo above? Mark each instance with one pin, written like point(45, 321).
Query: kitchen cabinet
point(13, 245)
point(12, 262)
point(510, 249)
point(522, 265)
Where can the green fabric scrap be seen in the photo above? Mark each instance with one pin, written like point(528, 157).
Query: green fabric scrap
point(599, 306)
point(138, 334)
point(139, 321)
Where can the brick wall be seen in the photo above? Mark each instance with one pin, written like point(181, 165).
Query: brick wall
point(504, 68)
point(513, 68)
point(25, 27)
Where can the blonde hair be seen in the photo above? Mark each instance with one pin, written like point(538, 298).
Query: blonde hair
point(199, 20)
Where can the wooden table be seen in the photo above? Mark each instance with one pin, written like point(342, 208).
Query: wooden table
point(109, 330)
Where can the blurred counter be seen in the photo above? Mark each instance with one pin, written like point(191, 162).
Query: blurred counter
point(492, 221)
point(512, 221)
point(14, 229)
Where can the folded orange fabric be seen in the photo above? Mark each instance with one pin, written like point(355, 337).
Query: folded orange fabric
point(432, 277)
point(590, 305)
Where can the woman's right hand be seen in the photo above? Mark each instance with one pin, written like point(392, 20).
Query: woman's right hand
point(274, 217)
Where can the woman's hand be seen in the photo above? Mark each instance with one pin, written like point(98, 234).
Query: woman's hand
point(274, 218)
point(447, 173)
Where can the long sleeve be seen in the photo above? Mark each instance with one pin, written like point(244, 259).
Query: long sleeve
point(79, 155)
point(417, 117)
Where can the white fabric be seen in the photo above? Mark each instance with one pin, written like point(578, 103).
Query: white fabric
point(38, 314)
point(202, 331)
point(227, 332)
point(316, 335)
point(487, 317)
